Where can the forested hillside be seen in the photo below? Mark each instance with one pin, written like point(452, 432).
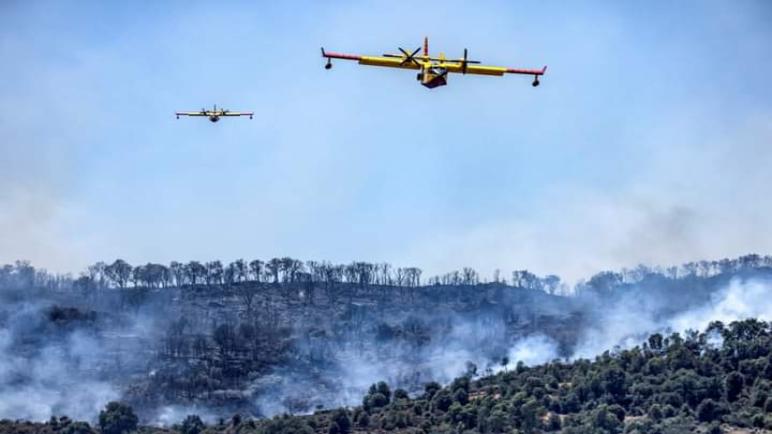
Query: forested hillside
point(719, 380)
point(716, 381)
point(284, 336)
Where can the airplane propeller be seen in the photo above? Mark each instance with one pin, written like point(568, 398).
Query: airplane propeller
point(465, 62)
point(410, 57)
point(407, 57)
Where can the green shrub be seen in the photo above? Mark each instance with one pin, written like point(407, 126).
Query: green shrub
point(117, 418)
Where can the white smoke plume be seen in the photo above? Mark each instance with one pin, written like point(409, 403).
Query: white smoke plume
point(534, 350)
point(58, 379)
point(740, 300)
point(628, 323)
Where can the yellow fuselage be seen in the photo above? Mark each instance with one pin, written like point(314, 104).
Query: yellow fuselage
point(432, 73)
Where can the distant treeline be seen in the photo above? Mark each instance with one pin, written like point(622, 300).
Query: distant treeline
point(120, 274)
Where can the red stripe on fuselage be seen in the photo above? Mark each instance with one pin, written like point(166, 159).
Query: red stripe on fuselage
point(332, 55)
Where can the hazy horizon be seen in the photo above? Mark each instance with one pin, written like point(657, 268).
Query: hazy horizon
point(649, 140)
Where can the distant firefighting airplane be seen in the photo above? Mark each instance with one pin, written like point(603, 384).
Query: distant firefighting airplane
point(433, 72)
point(214, 114)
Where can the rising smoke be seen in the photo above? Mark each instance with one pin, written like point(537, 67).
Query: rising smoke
point(60, 363)
point(46, 372)
point(481, 342)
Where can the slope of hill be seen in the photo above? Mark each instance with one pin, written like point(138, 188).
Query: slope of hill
point(305, 337)
point(716, 381)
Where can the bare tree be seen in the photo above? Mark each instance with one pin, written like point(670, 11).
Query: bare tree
point(119, 272)
point(240, 270)
point(97, 274)
point(256, 270)
point(274, 267)
point(178, 273)
point(196, 272)
point(214, 272)
point(247, 294)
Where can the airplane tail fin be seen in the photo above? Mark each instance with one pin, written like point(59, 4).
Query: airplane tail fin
point(426, 46)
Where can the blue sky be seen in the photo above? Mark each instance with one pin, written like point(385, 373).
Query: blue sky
point(650, 139)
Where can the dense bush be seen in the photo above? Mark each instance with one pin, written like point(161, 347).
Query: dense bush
point(117, 418)
point(192, 425)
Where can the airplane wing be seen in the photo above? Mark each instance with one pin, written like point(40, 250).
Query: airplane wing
point(417, 61)
point(389, 62)
point(454, 66)
point(250, 114)
point(190, 114)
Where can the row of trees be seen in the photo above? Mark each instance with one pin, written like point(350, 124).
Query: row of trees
point(120, 274)
point(22, 275)
point(698, 269)
point(550, 284)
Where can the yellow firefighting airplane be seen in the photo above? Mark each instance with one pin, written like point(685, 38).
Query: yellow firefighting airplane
point(433, 71)
point(215, 114)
